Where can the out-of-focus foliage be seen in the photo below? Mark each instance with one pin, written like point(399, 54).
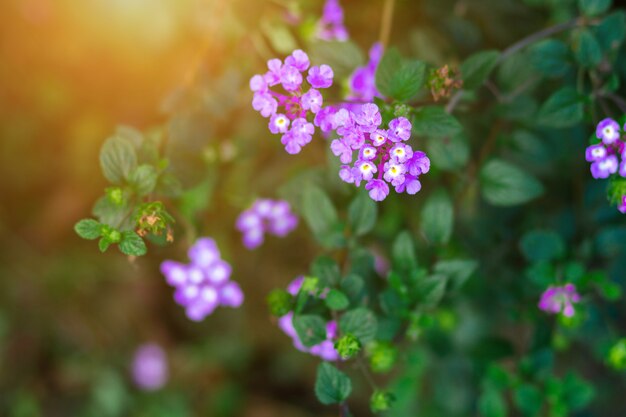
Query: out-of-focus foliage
point(447, 326)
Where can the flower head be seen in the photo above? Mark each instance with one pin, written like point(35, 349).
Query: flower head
point(265, 216)
point(149, 367)
point(203, 284)
point(363, 79)
point(608, 131)
point(330, 26)
point(559, 300)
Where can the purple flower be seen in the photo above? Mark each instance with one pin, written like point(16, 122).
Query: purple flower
point(411, 185)
point(290, 78)
point(266, 216)
point(608, 130)
point(320, 77)
point(378, 137)
point(418, 164)
point(394, 173)
point(378, 189)
point(264, 103)
point(604, 167)
point(367, 153)
point(325, 350)
point(399, 129)
point(149, 368)
point(199, 285)
point(342, 150)
point(622, 206)
point(299, 60)
point(330, 26)
point(325, 119)
point(401, 152)
point(312, 100)
point(274, 75)
point(257, 83)
point(368, 118)
point(595, 153)
point(363, 80)
point(559, 300)
point(366, 169)
point(622, 169)
point(279, 123)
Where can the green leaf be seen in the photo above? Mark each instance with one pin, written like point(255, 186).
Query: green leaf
point(103, 244)
point(336, 300)
point(551, 57)
point(528, 399)
point(321, 216)
point(492, 404)
point(448, 153)
point(362, 214)
point(542, 245)
point(88, 229)
point(503, 184)
point(331, 385)
point(434, 122)
point(398, 78)
point(611, 31)
point(592, 8)
point(143, 179)
point(117, 158)
point(326, 270)
point(437, 218)
point(476, 69)
point(353, 286)
point(343, 57)
point(403, 252)
point(564, 108)
point(132, 244)
point(578, 392)
point(311, 329)
point(361, 323)
point(431, 289)
point(587, 49)
point(457, 270)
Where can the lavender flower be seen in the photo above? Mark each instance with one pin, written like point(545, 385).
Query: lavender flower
point(149, 368)
point(608, 131)
point(363, 79)
point(289, 108)
point(559, 300)
point(203, 284)
point(605, 167)
point(330, 26)
point(622, 206)
point(324, 350)
point(383, 157)
point(266, 216)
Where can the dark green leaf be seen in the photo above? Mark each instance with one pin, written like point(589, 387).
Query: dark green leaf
point(361, 323)
point(592, 8)
point(336, 300)
point(403, 252)
point(476, 69)
point(117, 158)
point(457, 270)
point(434, 122)
point(353, 286)
point(88, 229)
point(551, 57)
point(587, 49)
point(331, 385)
point(542, 245)
point(528, 399)
point(326, 270)
point(611, 31)
point(503, 184)
point(362, 214)
point(143, 179)
point(398, 78)
point(562, 109)
point(448, 153)
point(132, 244)
point(492, 404)
point(437, 218)
point(311, 329)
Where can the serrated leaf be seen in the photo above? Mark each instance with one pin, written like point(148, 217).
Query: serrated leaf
point(399, 78)
point(88, 229)
point(437, 218)
point(434, 122)
point(336, 300)
point(362, 214)
point(321, 216)
point(311, 329)
point(361, 323)
point(326, 270)
point(143, 179)
point(331, 385)
point(551, 57)
point(117, 158)
point(132, 244)
point(476, 69)
point(503, 184)
point(431, 290)
point(564, 108)
point(587, 49)
point(103, 244)
point(542, 245)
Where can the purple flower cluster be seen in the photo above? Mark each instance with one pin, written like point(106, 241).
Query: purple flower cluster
point(265, 215)
point(149, 368)
point(288, 108)
point(363, 79)
point(605, 156)
point(559, 300)
point(204, 283)
point(331, 27)
point(326, 349)
point(383, 157)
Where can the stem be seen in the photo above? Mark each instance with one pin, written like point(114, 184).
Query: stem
point(617, 100)
point(366, 373)
point(385, 26)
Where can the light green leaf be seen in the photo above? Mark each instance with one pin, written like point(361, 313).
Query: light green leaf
point(320, 214)
point(362, 214)
point(492, 404)
point(476, 69)
point(434, 122)
point(361, 323)
point(132, 244)
point(331, 385)
point(117, 158)
point(457, 270)
point(503, 184)
point(143, 179)
point(437, 218)
point(431, 289)
point(336, 300)
point(311, 329)
point(398, 78)
point(88, 229)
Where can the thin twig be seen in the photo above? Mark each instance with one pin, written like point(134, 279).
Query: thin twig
point(366, 373)
point(387, 19)
point(619, 102)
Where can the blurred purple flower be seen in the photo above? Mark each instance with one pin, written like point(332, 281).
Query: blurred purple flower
point(330, 27)
point(149, 367)
point(266, 216)
point(559, 300)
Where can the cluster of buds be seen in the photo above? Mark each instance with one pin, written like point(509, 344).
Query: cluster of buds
point(443, 81)
point(153, 218)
